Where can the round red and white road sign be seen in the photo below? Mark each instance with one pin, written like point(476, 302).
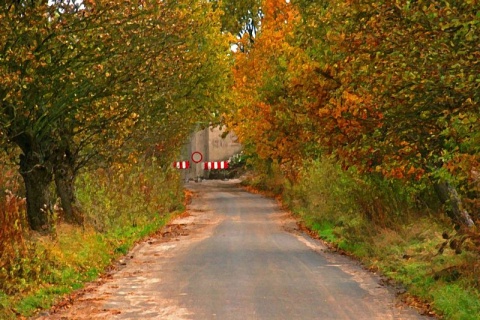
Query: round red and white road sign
point(197, 157)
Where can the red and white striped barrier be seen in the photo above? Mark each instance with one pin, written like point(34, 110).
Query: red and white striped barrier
point(215, 165)
point(181, 164)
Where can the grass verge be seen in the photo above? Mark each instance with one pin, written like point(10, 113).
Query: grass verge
point(78, 256)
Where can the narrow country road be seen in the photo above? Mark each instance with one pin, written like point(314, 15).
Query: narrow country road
point(235, 255)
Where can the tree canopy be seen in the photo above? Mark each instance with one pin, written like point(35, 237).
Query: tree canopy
point(77, 82)
point(388, 87)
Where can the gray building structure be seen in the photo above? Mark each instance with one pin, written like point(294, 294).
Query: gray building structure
point(211, 144)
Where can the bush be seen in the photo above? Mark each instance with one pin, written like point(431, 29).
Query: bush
point(331, 194)
point(127, 195)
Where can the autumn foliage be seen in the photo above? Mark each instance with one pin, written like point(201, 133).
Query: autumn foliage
point(387, 87)
point(87, 83)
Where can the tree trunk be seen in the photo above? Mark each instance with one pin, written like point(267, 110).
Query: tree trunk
point(37, 178)
point(448, 195)
point(64, 182)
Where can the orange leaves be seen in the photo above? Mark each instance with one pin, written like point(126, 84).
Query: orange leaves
point(266, 117)
point(383, 88)
point(287, 89)
point(403, 173)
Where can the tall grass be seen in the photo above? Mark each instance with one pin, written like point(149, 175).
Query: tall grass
point(127, 196)
point(328, 192)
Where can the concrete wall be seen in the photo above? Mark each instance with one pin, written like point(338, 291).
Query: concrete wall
point(219, 148)
point(212, 146)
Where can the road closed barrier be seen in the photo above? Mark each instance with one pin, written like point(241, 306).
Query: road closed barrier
point(215, 165)
point(181, 164)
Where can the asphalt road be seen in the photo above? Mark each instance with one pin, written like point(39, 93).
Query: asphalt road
point(235, 256)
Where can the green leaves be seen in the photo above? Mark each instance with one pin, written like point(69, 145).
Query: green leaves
point(91, 79)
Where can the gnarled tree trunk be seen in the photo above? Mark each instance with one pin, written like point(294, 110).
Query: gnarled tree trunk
point(64, 181)
point(455, 210)
point(37, 178)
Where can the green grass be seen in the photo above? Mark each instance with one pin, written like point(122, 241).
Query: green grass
point(456, 302)
point(81, 257)
point(416, 265)
point(325, 230)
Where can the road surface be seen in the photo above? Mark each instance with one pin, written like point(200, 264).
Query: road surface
point(235, 255)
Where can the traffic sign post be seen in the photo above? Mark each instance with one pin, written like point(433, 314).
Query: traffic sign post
point(197, 157)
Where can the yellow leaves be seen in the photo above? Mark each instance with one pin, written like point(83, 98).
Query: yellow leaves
point(323, 112)
point(334, 36)
point(132, 158)
point(134, 116)
point(411, 170)
point(351, 98)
